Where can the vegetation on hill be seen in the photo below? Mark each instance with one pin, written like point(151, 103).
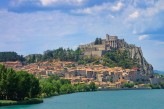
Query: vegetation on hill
point(98, 41)
point(119, 58)
point(111, 59)
point(114, 58)
point(60, 54)
point(10, 56)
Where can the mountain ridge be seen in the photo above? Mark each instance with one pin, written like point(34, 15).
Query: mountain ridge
point(159, 71)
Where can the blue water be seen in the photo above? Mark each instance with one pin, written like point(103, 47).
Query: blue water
point(126, 99)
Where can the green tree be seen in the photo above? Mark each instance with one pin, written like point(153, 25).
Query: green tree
point(11, 84)
point(65, 81)
point(10, 56)
point(162, 85)
point(98, 41)
point(47, 88)
point(128, 85)
point(155, 86)
point(23, 84)
point(92, 86)
point(3, 82)
point(28, 85)
point(53, 77)
point(35, 88)
point(17, 85)
point(82, 87)
point(66, 89)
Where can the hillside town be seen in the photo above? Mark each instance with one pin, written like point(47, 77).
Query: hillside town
point(102, 76)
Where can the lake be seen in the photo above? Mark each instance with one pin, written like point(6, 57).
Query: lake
point(122, 99)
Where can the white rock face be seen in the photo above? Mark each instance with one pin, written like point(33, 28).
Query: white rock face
point(136, 53)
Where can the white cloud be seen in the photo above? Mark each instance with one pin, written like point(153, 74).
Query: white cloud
point(151, 11)
point(134, 15)
point(70, 2)
point(100, 8)
point(118, 6)
point(48, 2)
point(143, 37)
point(37, 28)
point(141, 20)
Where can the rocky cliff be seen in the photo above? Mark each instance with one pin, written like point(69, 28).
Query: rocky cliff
point(136, 54)
point(114, 43)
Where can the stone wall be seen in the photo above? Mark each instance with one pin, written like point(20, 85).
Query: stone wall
point(98, 50)
point(94, 53)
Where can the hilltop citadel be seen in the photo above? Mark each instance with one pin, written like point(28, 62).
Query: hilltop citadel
point(105, 45)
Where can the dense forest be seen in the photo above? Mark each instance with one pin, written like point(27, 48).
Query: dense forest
point(10, 56)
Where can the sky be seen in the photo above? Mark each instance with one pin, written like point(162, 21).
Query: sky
point(33, 26)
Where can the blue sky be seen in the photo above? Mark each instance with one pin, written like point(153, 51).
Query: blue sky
point(33, 26)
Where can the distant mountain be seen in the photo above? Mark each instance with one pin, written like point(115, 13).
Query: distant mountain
point(159, 72)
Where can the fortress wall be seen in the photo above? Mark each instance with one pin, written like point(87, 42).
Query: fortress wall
point(99, 50)
point(94, 53)
point(88, 53)
point(100, 47)
point(97, 53)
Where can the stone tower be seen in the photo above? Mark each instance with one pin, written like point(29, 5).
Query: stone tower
point(112, 41)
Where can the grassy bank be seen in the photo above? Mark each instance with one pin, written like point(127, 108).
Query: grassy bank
point(23, 102)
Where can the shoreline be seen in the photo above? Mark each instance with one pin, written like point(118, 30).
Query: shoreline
point(22, 102)
point(115, 89)
point(41, 100)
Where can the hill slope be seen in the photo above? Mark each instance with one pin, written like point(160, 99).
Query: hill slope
point(136, 54)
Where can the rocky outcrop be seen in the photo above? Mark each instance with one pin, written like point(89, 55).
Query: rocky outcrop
point(114, 43)
point(136, 54)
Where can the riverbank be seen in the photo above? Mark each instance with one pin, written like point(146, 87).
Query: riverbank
point(23, 102)
point(112, 89)
point(148, 99)
point(37, 100)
